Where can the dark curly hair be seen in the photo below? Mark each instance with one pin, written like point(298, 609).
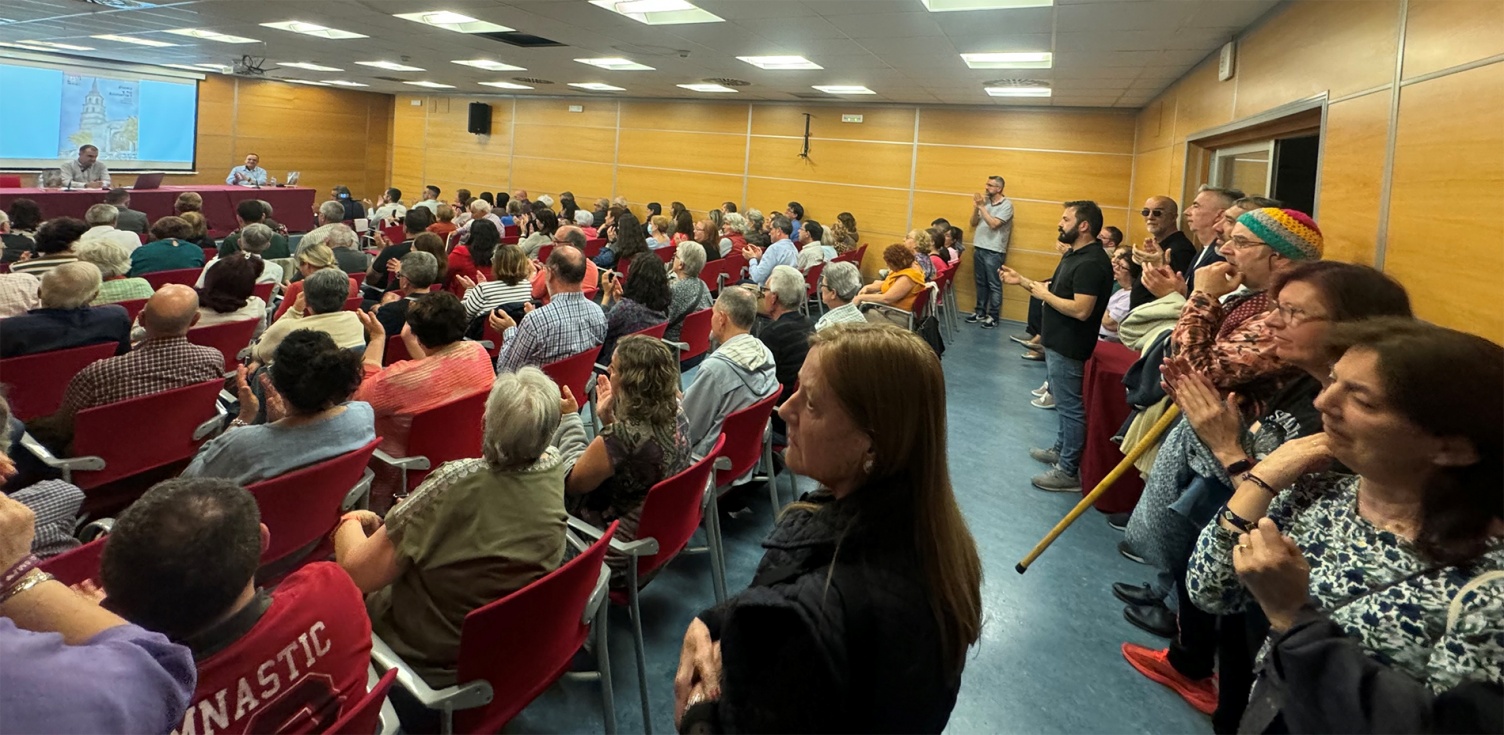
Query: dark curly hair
point(437, 320)
point(312, 373)
point(484, 237)
point(25, 215)
point(630, 237)
point(229, 283)
point(59, 234)
point(647, 283)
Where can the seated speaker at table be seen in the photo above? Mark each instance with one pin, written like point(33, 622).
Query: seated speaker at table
point(249, 174)
point(88, 172)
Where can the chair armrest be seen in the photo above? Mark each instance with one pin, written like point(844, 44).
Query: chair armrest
point(722, 463)
point(639, 547)
point(598, 596)
point(403, 463)
point(94, 529)
point(360, 493)
point(90, 463)
point(680, 346)
point(461, 696)
point(212, 425)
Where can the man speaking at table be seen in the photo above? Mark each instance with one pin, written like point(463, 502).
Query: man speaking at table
point(87, 172)
point(248, 175)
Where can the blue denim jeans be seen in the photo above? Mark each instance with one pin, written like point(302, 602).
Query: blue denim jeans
point(989, 286)
point(1065, 377)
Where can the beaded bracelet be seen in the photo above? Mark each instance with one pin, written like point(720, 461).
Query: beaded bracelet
point(18, 570)
point(1255, 479)
point(1235, 520)
point(32, 579)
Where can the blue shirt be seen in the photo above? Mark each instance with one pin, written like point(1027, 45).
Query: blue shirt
point(251, 454)
point(794, 233)
point(567, 326)
point(782, 252)
point(247, 176)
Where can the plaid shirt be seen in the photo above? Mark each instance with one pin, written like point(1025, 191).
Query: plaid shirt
point(18, 293)
point(55, 504)
point(155, 365)
point(569, 325)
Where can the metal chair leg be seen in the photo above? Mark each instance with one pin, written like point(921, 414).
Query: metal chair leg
point(717, 550)
point(603, 667)
point(642, 662)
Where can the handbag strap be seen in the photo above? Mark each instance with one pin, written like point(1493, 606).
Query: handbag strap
point(1454, 610)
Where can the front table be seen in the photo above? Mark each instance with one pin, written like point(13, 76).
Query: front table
point(293, 205)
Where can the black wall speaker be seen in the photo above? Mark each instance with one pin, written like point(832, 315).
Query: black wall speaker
point(480, 118)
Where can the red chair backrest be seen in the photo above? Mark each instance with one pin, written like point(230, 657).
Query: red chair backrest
point(365, 716)
point(656, 331)
point(695, 332)
point(353, 303)
point(263, 291)
point(394, 233)
point(9, 181)
point(524, 642)
point(76, 565)
point(544, 251)
point(671, 512)
point(396, 350)
point(184, 276)
point(812, 278)
point(574, 371)
point(229, 338)
point(743, 432)
point(593, 246)
point(710, 274)
point(666, 254)
point(850, 256)
point(209, 252)
point(490, 334)
point(134, 307)
point(510, 239)
point(37, 382)
point(447, 431)
point(511, 231)
point(142, 433)
point(303, 506)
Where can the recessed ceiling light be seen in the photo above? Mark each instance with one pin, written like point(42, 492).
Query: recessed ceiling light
point(1011, 60)
point(304, 81)
point(211, 35)
point(943, 6)
point(780, 63)
point(308, 66)
point(133, 40)
point(505, 85)
point(659, 12)
point(431, 85)
point(596, 87)
point(390, 66)
point(1018, 91)
point(616, 63)
point(489, 65)
point(707, 88)
point(451, 21)
point(313, 29)
point(843, 89)
point(344, 83)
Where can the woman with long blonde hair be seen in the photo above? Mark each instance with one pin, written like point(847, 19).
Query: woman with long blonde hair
point(869, 595)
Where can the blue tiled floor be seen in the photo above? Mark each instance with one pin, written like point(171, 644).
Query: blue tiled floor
point(1048, 661)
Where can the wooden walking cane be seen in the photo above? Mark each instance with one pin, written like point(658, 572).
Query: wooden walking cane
point(1144, 442)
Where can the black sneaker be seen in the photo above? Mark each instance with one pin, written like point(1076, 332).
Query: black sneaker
point(1118, 520)
point(989, 323)
point(974, 318)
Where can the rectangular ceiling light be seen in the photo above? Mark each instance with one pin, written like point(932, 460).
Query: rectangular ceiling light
point(780, 63)
point(390, 66)
point(489, 65)
point(616, 63)
point(505, 85)
point(344, 83)
point(721, 88)
point(596, 87)
point(431, 85)
point(945, 6)
point(451, 21)
point(313, 29)
point(659, 12)
point(1011, 60)
point(133, 40)
point(47, 46)
point(220, 68)
point(211, 35)
point(308, 66)
point(1018, 91)
point(843, 89)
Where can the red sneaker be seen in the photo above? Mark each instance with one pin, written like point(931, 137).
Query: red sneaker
point(1200, 693)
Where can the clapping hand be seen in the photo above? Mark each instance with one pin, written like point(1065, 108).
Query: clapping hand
point(978, 199)
point(465, 282)
point(567, 402)
point(1274, 571)
point(1010, 276)
point(500, 320)
point(1162, 281)
point(604, 398)
point(374, 330)
point(1216, 420)
point(1150, 253)
point(751, 252)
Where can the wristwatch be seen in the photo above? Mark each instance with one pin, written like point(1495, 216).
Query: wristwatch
point(1241, 466)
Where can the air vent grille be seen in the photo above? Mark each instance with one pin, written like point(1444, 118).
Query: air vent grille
point(727, 81)
point(1016, 83)
point(531, 80)
point(524, 40)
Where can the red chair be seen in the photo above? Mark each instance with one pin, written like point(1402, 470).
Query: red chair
point(10, 181)
point(394, 233)
point(354, 302)
point(76, 565)
point(746, 447)
point(544, 251)
point(301, 507)
point(447, 431)
point(229, 338)
point(39, 381)
point(513, 649)
point(656, 331)
point(126, 438)
point(853, 257)
point(365, 717)
point(710, 275)
point(263, 291)
point(184, 276)
point(574, 371)
point(593, 246)
point(210, 253)
point(666, 254)
point(812, 288)
point(134, 307)
point(396, 350)
point(511, 231)
point(694, 335)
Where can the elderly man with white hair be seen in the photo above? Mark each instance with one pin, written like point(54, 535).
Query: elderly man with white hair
point(786, 331)
point(479, 209)
point(65, 318)
point(113, 262)
point(839, 284)
point(343, 242)
point(331, 213)
point(255, 239)
point(102, 219)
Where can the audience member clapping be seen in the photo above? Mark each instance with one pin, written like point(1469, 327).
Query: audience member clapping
point(1117, 304)
point(511, 283)
point(641, 303)
point(113, 262)
point(466, 260)
point(538, 229)
point(417, 278)
point(690, 294)
point(55, 243)
point(65, 318)
point(568, 325)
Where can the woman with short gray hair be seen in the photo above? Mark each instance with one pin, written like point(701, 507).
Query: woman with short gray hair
point(839, 284)
point(473, 532)
point(733, 234)
point(113, 261)
point(689, 292)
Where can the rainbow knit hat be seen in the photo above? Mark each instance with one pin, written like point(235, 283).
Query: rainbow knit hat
point(1290, 233)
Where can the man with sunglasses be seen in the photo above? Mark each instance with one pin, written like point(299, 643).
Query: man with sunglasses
point(1165, 246)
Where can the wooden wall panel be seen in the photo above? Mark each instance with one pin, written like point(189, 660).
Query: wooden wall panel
point(1155, 124)
point(1312, 47)
point(557, 141)
point(1202, 102)
point(878, 123)
point(703, 117)
point(1030, 174)
point(555, 112)
point(699, 191)
point(550, 176)
point(1444, 33)
point(1062, 130)
point(1357, 132)
point(1151, 176)
point(869, 164)
point(715, 152)
point(1441, 222)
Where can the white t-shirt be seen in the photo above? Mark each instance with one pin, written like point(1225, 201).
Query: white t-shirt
point(128, 240)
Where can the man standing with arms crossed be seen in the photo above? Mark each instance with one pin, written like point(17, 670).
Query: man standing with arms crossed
point(992, 228)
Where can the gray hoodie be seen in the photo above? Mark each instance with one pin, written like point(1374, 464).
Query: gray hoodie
point(738, 374)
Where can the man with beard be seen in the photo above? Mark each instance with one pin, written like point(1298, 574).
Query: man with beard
point(1074, 301)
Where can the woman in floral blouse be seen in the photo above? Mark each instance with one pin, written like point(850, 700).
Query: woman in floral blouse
point(1416, 413)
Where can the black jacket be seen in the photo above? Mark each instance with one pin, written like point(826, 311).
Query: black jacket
point(836, 633)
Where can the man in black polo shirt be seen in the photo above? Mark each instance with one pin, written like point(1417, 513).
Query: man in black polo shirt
point(1166, 245)
point(1074, 301)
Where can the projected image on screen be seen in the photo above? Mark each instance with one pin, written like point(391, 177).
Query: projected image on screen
point(139, 121)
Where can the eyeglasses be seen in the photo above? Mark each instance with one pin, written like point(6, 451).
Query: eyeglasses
point(1294, 316)
point(1243, 243)
point(1145, 212)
